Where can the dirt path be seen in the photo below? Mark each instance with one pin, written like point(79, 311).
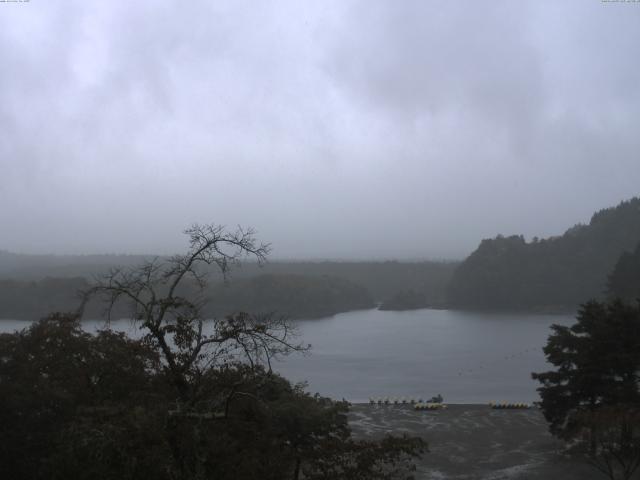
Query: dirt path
point(475, 442)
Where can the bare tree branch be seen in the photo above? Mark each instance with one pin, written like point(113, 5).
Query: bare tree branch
point(174, 323)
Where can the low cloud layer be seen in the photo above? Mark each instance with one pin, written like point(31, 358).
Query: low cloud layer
point(336, 129)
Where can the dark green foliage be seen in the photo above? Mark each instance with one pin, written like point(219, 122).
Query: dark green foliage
point(597, 362)
point(74, 405)
point(557, 273)
point(294, 296)
point(624, 281)
point(592, 398)
point(31, 300)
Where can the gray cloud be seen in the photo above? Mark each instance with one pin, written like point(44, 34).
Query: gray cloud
point(337, 129)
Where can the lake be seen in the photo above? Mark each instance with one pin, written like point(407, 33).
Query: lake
point(467, 357)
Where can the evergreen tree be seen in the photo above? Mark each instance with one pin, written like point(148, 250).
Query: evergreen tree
point(592, 397)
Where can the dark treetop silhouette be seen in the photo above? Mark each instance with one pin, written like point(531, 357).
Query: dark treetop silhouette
point(174, 323)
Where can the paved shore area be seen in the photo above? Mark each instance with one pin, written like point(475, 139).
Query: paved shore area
point(468, 442)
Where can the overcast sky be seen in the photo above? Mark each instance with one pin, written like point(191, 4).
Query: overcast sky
point(339, 129)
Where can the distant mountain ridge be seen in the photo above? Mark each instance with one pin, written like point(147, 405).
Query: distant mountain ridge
point(556, 273)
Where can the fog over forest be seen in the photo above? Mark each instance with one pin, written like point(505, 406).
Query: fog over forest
point(337, 129)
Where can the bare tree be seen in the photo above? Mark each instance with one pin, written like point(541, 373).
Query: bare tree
point(167, 297)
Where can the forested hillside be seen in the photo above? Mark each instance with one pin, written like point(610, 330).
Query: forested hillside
point(548, 274)
point(624, 281)
point(383, 279)
point(294, 296)
point(32, 300)
point(32, 275)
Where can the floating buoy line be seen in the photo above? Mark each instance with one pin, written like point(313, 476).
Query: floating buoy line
point(420, 404)
point(394, 401)
point(436, 403)
point(505, 405)
point(430, 406)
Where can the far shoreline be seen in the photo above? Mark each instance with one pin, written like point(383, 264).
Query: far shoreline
point(535, 311)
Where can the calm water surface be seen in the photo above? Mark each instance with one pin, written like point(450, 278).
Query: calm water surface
point(468, 357)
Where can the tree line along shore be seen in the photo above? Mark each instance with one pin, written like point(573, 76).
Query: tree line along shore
point(553, 274)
